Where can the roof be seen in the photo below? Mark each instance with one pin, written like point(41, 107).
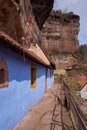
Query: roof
point(85, 85)
point(52, 65)
point(34, 52)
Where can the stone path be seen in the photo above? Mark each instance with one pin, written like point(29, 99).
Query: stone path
point(46, 115)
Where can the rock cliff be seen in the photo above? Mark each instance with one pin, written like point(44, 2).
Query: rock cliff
point(80, 70)
point(61, 33)
point(22, 19)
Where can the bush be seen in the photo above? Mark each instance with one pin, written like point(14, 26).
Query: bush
point(82, 53)
point(85, 114)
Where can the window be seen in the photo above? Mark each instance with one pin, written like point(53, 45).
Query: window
point(3, 73)
point(2, 76)
point(51, 72)
point(33, 75)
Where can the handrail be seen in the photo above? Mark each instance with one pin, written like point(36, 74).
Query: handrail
point(79, 119)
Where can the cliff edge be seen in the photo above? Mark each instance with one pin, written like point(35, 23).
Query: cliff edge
point(61, 33)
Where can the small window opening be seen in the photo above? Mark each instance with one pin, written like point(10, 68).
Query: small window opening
point(3, 73)
point(33, 76)
point(51, 73)
point(2, 76)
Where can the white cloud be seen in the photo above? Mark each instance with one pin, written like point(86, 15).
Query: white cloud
point(64, 3)
point(79, 7)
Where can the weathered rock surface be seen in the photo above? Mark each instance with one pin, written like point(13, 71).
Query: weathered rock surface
point(41, 10)
point(18, 21)
point(22, 20)
point(64, 61)
point(81, 78)
point(61, 33)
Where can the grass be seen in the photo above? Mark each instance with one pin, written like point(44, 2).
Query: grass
point(20, 7)
point(58, 75)
point(73, 85)
point(85, 114)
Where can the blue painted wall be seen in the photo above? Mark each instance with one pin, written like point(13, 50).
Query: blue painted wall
point(16, 99)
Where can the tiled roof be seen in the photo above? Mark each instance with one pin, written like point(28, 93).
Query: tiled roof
point(34, 52)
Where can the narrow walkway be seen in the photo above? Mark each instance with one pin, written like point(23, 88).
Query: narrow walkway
point(47, 114)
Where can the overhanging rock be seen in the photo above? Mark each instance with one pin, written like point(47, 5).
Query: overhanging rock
point(41, 10)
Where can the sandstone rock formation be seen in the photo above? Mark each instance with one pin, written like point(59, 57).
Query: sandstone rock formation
point(81, 78)
point(18, 21)
point(22, 19)
point(61, 33)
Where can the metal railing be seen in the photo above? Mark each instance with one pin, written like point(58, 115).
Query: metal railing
point(79, 120)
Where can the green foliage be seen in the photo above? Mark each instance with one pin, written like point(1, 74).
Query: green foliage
point(56, 75)
point(20, 7)
point(73, 84)
point(82, 53)
point(72, 81)
point(85, 114)
point(59, 76)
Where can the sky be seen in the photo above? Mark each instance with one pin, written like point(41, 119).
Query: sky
point(79, 7)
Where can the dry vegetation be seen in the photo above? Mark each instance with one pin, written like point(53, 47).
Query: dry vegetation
point(81, 55)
